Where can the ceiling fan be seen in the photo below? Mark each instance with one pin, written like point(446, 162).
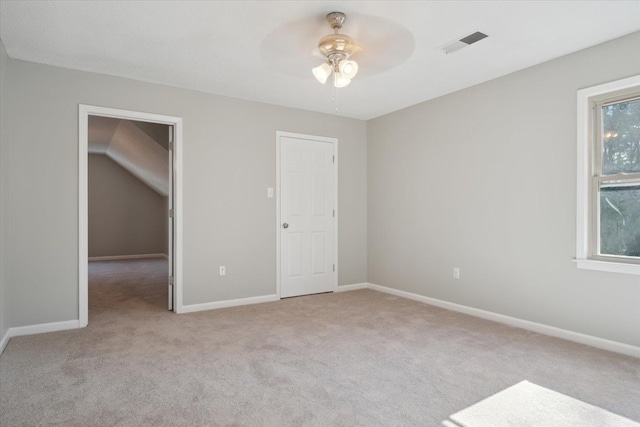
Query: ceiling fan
point(377, 43)
point(337, 49)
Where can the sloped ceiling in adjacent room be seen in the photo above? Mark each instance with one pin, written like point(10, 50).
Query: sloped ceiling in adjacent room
point(139, 147)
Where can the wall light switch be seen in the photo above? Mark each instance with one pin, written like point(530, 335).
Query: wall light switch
point(270, 192)
point(456, 273)
point(223, 270)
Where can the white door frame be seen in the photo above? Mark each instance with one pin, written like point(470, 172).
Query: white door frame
point(334, 141)
point(84, 111)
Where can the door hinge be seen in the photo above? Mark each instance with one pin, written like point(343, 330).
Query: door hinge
point(170, 137)
point(334, 159)
point(171, 280)
point(334, 267)
point(170, 145)
point(334, 213)
point(170, 213)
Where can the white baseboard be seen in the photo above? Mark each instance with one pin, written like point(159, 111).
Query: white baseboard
point(553, 331)
point(72, 324)
point(616, 347)
point(122, 257)
point(4, 341)
point(37, 329)
point(228, 303)
point(255, 300)
point(43, 328)
point(354, 287)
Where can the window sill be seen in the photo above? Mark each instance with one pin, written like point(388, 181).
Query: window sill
point(612, 267)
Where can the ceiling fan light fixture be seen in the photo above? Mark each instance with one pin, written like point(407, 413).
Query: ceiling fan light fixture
point(340, 80)
point(348, 68)
point(337, 49)
point(322, 72)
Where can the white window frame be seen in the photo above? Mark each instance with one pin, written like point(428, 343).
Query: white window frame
point(586, 227)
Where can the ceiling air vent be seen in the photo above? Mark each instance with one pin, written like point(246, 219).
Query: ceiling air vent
point(463, 42)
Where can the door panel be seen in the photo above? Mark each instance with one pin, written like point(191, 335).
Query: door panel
point(307, 217)
point(318, 252)
point(295, 254)
point(295, 193)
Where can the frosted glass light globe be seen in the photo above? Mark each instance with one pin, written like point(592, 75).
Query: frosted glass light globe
point(348, 68)
point(322, 72)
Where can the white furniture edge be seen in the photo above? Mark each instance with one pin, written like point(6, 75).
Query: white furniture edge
point(122, 257)
point(192, 308)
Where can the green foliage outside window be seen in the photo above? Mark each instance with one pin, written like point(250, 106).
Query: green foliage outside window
point(620, 204)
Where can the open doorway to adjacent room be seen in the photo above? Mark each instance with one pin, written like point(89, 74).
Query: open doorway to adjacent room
point(128, 211)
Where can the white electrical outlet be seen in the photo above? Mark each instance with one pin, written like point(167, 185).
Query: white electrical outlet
point(223, 270)
point(456, 273)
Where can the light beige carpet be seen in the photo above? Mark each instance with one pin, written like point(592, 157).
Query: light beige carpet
point(354, 358)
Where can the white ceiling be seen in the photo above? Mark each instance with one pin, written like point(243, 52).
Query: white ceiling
point(263, 50)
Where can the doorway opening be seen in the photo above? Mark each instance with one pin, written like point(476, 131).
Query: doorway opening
point(129, 209)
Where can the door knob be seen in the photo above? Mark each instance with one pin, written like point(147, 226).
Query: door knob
point(285, 225)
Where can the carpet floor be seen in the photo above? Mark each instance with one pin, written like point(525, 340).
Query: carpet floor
point(352, 358)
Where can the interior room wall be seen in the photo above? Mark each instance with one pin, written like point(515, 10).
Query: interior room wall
point(4, 108)
point(229, 161)
point(126, 217)
point(158, 132)
point(485, 180)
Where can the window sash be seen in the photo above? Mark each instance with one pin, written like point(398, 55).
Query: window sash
point(597, 137)
point(599, 180)
point(597, 183)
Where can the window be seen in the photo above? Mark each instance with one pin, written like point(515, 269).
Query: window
point(608, 232)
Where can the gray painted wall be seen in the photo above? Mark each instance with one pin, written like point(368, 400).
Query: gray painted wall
point(126, 217)
point(441, 193)
point(4, 302)
point(485, 180)
point(229, 161)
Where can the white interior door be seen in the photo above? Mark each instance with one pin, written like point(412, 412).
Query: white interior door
point(307, 212)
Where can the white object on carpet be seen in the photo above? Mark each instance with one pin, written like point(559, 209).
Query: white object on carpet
point(528, 404)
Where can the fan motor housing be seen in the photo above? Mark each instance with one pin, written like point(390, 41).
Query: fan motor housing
point(336, 45)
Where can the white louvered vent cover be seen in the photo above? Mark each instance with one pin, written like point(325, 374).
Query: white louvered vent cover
point(463, 42)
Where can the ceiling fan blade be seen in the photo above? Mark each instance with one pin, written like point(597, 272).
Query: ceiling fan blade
point(316, 52)
point(379, 44)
